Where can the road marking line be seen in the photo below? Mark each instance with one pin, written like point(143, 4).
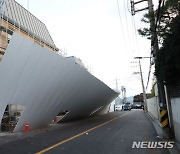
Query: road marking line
point(78, 135)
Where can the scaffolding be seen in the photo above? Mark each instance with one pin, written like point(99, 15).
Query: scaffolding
point(11, 117)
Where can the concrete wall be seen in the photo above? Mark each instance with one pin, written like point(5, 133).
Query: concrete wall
point(175, 103)
point(153, 107)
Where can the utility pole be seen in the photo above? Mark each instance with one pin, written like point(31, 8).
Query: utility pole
point(117, 99)
point(154, 50)
point(154, 41)
point(123, 90)
point(142, 82)
point(133, 11)
point(117, 82)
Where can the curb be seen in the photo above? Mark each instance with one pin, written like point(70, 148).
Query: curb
point(164, 134)
point(156, 125)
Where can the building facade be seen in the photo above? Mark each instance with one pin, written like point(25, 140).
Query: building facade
point(15, 18)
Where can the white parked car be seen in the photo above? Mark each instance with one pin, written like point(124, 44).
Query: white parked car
point(118, 107)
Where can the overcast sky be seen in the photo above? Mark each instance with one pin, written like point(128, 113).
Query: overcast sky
point(103, 38)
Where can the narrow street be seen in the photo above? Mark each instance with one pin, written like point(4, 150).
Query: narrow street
point(107, 134)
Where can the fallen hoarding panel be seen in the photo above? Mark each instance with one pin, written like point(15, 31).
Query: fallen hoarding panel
point(45, 83)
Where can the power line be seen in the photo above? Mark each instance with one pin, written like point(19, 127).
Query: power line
point(126, 20)
point(135, 31)
point(128, 7)
point(121, 21)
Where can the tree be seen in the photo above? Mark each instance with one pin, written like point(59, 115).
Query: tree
point(166, 13)
point(138, 98)
point(168, 57)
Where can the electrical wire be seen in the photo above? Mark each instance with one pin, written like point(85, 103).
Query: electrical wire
point(126, 20)
point(128, 79)
point(128, 7)
point(134, 29)
point(135, 32)
point(121, 21)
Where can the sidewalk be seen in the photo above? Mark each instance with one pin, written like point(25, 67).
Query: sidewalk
point(164, 134)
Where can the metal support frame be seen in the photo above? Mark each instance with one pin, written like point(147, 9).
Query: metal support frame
point(133, 11)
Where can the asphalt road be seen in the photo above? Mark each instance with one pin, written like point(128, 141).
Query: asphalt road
point(113, 133)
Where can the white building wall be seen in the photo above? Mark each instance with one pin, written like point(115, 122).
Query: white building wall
point(153, 107)
point(175, 104)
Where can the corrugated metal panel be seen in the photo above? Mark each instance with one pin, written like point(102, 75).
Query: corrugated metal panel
point(17, 16)
point(174, 90)
point(11, 8)
point(28, 22)
point(46, 83)
point(1, 5)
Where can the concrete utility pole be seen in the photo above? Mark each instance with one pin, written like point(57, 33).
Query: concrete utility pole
point(154, 40)
point(154, 50)
point(117, 82)
point(123, 90)
point(163, 103)
point(142, 82)
point(133, 11)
